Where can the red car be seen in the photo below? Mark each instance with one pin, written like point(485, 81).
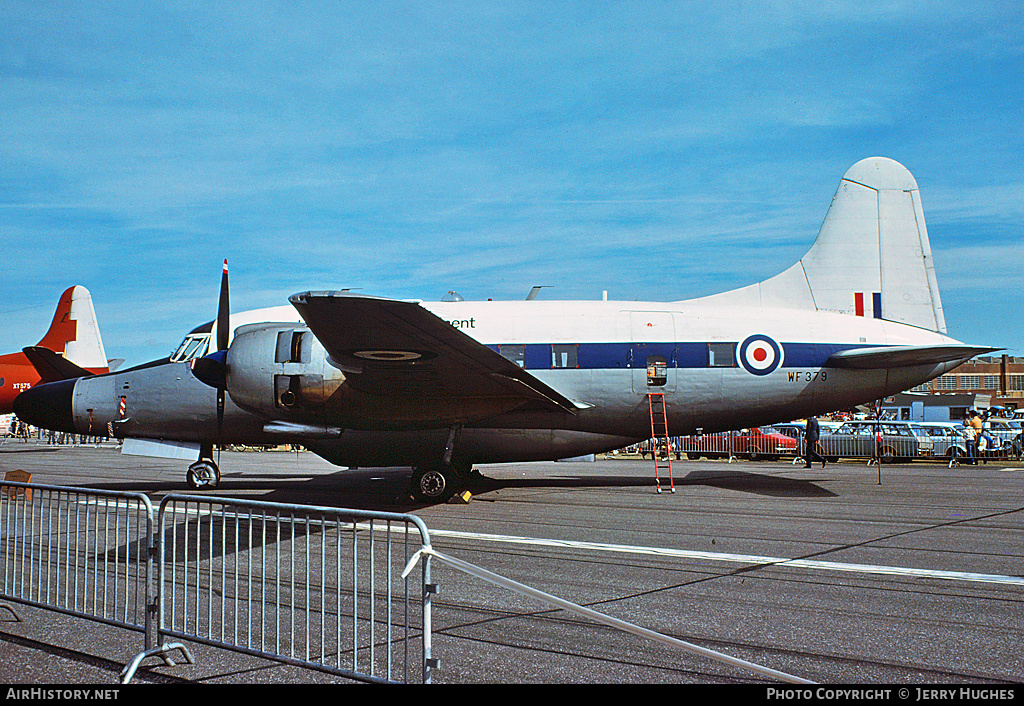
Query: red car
point(755, 444)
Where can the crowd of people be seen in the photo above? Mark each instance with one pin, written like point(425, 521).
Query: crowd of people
point(18, 429)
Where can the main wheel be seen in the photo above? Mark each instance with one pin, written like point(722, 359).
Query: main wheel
point(436, 484)
point(203, 475)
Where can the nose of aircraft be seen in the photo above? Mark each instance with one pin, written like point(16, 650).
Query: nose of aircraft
point(47, 406)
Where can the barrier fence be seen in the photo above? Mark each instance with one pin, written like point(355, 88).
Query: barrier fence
point(317, 587)
point(735, 444)
point(321, 588)
point(86, 553)
point(877, 441)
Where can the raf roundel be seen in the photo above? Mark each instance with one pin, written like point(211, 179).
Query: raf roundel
point(760, 354)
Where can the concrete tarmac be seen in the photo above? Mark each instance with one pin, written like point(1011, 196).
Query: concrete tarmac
point(853, 574)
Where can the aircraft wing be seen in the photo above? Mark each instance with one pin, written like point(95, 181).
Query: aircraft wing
point(397, 350)
point(903, 356)
point(51, 366)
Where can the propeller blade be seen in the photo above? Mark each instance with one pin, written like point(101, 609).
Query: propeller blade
point(223, 312)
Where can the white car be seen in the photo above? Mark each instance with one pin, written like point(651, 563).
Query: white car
point(949, 439)
point(1007, 433)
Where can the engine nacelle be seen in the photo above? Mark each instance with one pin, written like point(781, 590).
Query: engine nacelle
point(280, 370)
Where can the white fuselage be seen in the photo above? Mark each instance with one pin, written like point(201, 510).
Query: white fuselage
point(596, 353)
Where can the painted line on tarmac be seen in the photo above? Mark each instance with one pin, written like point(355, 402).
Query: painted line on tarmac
point(749, 559)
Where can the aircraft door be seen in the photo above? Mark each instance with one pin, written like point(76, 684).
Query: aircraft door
point(653, 353)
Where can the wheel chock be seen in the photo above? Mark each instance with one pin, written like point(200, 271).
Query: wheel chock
point(462, 498)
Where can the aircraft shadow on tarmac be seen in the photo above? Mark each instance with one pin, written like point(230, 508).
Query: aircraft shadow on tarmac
point(757, 483)
point(737, 480)
point(388, 489)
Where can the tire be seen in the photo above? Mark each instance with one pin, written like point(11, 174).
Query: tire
point(755, 454)
point(436, 484)
point(692, 456)
point(887, 454)
point(203, 475)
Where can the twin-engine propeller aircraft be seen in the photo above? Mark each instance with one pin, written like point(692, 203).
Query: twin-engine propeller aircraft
point(71, 348)
point(367, 381)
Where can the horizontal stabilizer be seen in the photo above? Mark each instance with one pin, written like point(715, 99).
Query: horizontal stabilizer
point(903, 356)
point(51, 366)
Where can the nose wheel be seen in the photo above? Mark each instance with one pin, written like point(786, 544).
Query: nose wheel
point(203, 475)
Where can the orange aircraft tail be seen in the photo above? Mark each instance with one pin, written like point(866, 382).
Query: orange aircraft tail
point(70, 348)
point(74, 331)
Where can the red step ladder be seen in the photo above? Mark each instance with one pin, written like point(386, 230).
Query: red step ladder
point(661, 449)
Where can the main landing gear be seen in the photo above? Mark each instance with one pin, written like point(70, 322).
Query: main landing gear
point(204, 474)
point(437, 482)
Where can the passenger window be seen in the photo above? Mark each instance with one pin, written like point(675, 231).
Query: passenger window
point(517, 354)
point(565, 356)
point(721, 355)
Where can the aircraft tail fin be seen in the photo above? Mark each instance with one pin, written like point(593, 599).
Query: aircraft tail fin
point(74, 331)
point(871, 257)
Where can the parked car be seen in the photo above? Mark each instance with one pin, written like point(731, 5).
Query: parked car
point(755, 443)
point(1007, 433)
point(887, 440)
point(794, 430)
point(949, 439)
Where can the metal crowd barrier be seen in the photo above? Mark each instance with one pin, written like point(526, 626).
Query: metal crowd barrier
point(86, 553)
point(731, 445)
point(313, 586)
point(875, 446)
point(316, 587)
point(878, 442)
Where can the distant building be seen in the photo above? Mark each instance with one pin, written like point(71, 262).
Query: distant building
point(999, 377)
point(926, 407)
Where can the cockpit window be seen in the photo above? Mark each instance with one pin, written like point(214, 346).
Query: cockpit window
point(195, 345)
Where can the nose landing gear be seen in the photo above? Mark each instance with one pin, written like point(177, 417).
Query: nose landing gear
point(204, 474)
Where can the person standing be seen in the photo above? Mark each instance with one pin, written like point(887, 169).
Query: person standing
point(969, 437)
point(811, 436)
point(977, 427)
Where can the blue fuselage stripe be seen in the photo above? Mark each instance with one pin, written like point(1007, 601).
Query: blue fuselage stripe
point(611, 356)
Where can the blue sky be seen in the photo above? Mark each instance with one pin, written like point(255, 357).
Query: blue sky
point(411, 148)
